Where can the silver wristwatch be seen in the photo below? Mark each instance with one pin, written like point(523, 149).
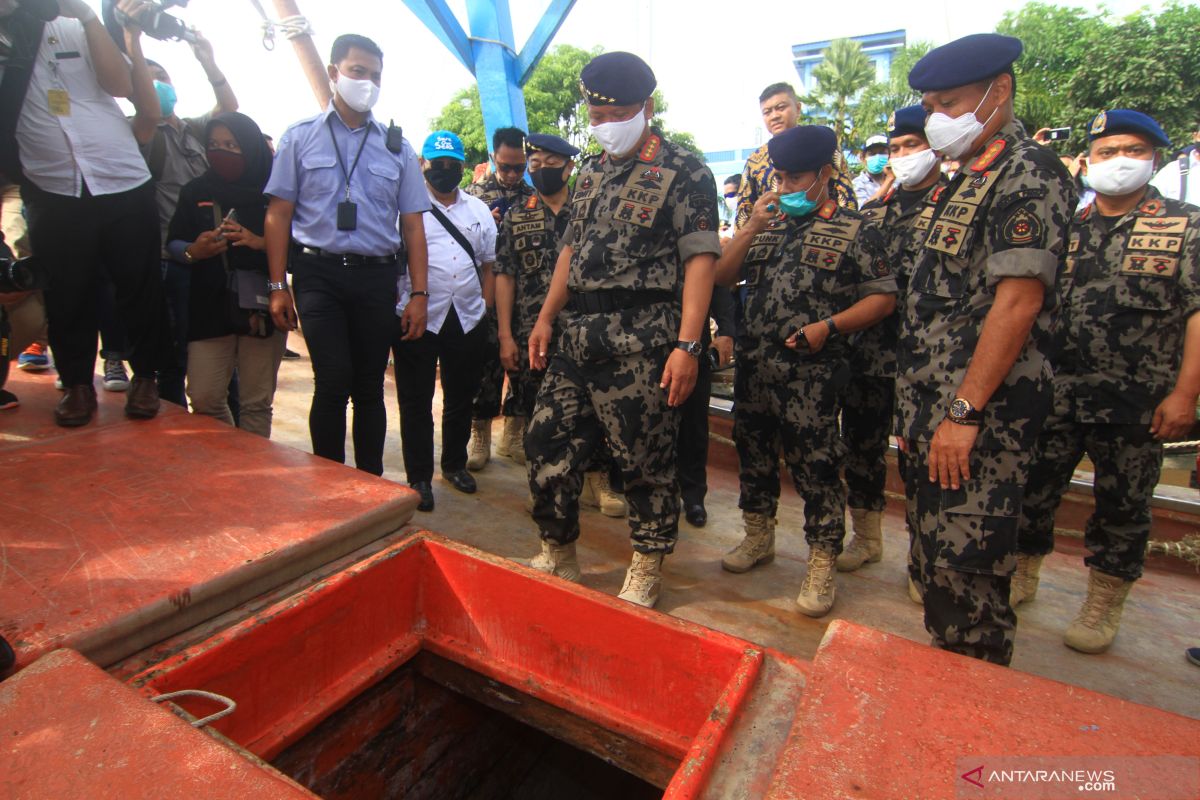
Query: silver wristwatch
point(693, 348)
point(273, 286)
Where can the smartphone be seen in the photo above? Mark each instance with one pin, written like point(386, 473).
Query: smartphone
point(500, 204)
point(1058, 134)
point(230, 217)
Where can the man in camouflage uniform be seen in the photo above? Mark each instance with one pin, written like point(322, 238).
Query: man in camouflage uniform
point(503, 189)
point(643, 221)
point(973, 383)
point(781, 111)
point(1126, 369)
point(903, 214)
point(812, 276)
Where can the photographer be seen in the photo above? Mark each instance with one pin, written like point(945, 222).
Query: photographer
point(87, 192)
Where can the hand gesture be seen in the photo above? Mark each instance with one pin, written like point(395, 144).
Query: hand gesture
point(539, 345)
point(207, 245)
point(238, 236)
point(679, 377)
point(766, 211)
point(202, 48)
point(1173, 418)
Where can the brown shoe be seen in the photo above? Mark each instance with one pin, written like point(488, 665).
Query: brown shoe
point(142, 400)
point(77, 406)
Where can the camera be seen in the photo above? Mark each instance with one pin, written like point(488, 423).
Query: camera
point(21, 275)
point(1058, 134)
point(154, 21)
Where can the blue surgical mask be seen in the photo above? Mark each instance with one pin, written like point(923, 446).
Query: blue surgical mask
point(876, 163)
point(166, 98)
point(798, 204)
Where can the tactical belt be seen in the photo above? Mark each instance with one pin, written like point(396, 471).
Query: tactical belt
point(608, 301)
point(346, 259)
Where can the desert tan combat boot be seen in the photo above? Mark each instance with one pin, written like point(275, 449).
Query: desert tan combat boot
point(558, 560)
point(1096, 626)
point(609, 502)
point(479, 449)
point(512, 440)
point(914, 592)
point(758, 546)
point(1025, 579)
point(867, 545)
point(642, 580)
point(817, 592)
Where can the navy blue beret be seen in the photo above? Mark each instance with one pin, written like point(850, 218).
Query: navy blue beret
point(616, 79)
point(1125, 120)
point(550, 143)
point(910, 119)
point(805, 148)
point(972, 58)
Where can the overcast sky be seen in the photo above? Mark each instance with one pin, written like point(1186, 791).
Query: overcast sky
point(711, 58)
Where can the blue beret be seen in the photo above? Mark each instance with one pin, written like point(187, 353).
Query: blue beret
point(616, 79)
point(443, 144)
point(1125, 120)
point(805, 148)
point(550, 144)
point(910, 119)
point(972, 58)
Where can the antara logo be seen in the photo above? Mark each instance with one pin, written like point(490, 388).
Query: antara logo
point(973, 776)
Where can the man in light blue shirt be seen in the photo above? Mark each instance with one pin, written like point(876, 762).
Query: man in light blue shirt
point(340, 182)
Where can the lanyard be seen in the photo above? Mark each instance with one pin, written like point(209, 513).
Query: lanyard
point(338, 152)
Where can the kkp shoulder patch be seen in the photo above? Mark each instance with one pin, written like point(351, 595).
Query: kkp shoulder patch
point(1023, 229)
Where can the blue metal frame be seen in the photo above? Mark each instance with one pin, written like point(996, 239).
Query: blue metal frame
point(490, 54)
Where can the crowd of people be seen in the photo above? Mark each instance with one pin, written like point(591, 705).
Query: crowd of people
point(956, 294)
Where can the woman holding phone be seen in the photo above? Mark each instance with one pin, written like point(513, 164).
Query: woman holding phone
point(217, 230)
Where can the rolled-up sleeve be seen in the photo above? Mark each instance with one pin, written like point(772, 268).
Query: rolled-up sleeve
point(695, 215)
point(284, 182)
point(1026, 231)
point(487, 237)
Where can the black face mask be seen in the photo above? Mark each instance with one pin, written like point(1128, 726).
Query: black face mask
point(549, 180)
point(444, 179)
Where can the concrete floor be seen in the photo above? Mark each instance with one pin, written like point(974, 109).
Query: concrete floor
point(1146, 664)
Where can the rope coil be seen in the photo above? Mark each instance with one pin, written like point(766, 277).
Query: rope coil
point(290, 27)
point(230, 705)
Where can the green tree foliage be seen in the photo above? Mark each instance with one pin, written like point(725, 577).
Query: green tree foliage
point(1078, 62)
point(881, 98)
point(552, 104)
point(844, 72)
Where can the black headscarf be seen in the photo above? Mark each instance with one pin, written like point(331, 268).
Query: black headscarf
point(248, 189)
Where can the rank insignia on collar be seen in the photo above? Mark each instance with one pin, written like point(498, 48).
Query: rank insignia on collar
point(651, 148)
point(1085, 212)
point(989, 156)
point(1099, 122)
point(532, 201)
point(937, 193)
point(827, 210)
point(1151, 207)
point(887, 198)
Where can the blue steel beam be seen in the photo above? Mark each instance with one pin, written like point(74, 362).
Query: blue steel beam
point(539, 40)
point(440, 20)
point(495, 66)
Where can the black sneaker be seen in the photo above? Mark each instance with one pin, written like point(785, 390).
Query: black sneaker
point(1193, 655)
point(8, 400)
point(290, 355)
point(7, 656)
point(425, 489)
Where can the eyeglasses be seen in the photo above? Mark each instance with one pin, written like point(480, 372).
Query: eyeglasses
point(516, 168)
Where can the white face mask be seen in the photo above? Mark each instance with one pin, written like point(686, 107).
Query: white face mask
point(1120, 175)
point(358, 94)
point(953, 136)
point(914, 167)
point(619, 138)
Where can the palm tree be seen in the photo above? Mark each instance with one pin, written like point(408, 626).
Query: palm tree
point(845, 72)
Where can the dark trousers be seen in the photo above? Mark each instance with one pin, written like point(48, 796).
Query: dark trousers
point(349, 316)
point(691, 452)
point(78, 239)
point(112, 332)
point(177, 283)
point(866, 422)
point(460, 356)
point(491, 372)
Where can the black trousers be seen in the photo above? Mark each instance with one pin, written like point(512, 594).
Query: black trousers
point(691, 465)
point(349, 317)
point(80, 239)
point(460, 355)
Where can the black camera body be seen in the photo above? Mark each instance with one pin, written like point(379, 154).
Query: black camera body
point(154, 21)
point(21, 274)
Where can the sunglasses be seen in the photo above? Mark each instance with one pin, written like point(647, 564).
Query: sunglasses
point(517, 168)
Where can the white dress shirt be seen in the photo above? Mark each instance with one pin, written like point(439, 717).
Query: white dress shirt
point(92, 141)
point(1167, 179)
point(453, 279)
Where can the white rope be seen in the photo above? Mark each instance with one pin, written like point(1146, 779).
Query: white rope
point(290, 27)
point(230, 705)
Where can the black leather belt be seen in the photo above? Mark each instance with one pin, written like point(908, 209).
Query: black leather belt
point(608, 301)
point(346, 259)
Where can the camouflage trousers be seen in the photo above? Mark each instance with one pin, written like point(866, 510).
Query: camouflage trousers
point(867, 406)
point(1128, 461)
point(579, 406)
point(781, 403)
point(487, 399)
point(966, 550)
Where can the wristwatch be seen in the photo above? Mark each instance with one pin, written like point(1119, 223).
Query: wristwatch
point(963, 413)
point(833, 328)
point(276, 286)
point(693, 349)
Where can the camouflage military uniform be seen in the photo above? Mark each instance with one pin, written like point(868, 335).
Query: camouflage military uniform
point(869, 399)
point(798, 272)
point(634, 224)
point(527, 249)
point(1127, 292)
point(487, 399)
point(758, 178)
point(1005, 215)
